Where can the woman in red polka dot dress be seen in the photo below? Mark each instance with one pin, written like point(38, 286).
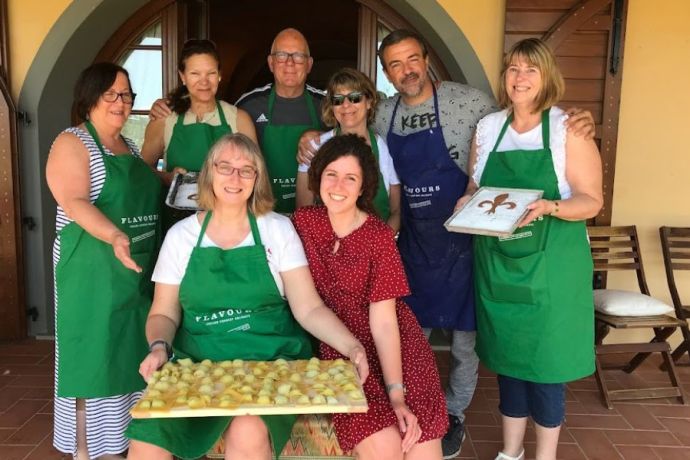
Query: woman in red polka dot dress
point(358, 273)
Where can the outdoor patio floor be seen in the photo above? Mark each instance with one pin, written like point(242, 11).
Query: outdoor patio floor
point(654, 429)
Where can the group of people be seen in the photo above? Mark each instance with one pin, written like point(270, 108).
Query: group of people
point(335, 270)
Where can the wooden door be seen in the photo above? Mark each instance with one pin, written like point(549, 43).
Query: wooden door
point(12, 309)
point(587, 37)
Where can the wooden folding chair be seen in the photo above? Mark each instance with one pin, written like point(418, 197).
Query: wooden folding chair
point(675, 246)
point(617, 248)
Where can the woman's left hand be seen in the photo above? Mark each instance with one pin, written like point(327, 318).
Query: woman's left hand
point(120, 244)
point(537, 209)
point(359, 357)
point(581, 122)
point(408, 425)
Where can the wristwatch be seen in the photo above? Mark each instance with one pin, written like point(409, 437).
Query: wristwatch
point(396, 386)
point(168, 348)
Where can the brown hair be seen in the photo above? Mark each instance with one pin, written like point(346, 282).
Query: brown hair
point(536, 53)
point(261, 199)
point(343, 146)
point(396, 37)
point(179, 97)
point(355, 81)
point(93, 81)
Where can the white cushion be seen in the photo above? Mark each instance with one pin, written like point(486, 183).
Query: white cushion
point(627, 303)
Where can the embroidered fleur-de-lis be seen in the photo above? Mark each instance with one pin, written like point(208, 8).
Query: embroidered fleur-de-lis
point(499, 200)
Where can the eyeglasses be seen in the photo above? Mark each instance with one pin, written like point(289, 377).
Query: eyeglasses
point(245, 172)
point(127, 97)
point(354, 97)
point(297, 57)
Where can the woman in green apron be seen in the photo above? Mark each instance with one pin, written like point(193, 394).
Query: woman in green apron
point(233, 282)
point(535, 316)
point(107, 236)
point(350, 108)
point(197, 120)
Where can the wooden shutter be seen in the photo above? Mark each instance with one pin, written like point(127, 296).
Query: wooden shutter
point(587, 39)
point(12, 310)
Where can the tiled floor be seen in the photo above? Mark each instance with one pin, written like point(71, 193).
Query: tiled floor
point(658, 429)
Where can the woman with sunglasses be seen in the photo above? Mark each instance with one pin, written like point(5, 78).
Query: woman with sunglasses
point(107, 235)
point(358, 272)
point(197, 120)
point(239, 253)
point(350, 108)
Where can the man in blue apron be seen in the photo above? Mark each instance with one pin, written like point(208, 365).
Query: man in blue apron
point(283, 111)
point(429, 128)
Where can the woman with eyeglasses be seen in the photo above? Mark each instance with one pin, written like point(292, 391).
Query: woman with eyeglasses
point(107, 236)
point(357, 269)
point(197, 120)
point(350, 109)
point(236, 254)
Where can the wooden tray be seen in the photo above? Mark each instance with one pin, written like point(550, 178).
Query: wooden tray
point(274, 387)
point(492, 211)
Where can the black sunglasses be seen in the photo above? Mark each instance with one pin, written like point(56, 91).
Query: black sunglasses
point(354, 97)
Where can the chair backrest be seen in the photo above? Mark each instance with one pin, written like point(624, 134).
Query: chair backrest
point(617, 248)
point(675, 246)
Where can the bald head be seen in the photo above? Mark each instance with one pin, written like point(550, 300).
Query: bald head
point(289, 34)
point(290, 63)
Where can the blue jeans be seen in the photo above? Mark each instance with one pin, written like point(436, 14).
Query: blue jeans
point(544, 402)
point(462, 374)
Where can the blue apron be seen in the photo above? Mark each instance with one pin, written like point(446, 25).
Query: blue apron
point(438, 263)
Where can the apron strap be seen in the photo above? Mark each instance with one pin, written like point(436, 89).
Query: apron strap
point(545, 129)
point(252, 223)
point(310, 106)
point(204, 224)
point(90, 128)
point(503, 131)
point(255, 229)
point(374, 144)
point(397, 104)
point(221, 115)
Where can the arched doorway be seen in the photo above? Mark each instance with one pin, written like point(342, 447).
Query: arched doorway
point(83, 30)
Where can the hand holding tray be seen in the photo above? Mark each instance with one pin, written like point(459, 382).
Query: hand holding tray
point(184, 193)
point(492, 211)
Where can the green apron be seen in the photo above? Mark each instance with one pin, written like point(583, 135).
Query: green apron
point(188, 147)
point(279, 146)
point(535, 319)
point(382, 204)
point(102, 306)
point(231, 309)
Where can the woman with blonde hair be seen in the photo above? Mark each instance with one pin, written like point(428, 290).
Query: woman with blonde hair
point(238, 253)
point(535, 322)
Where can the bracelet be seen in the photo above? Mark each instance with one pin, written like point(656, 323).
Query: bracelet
point(168, 348)
point(396, 386)
point(555, 211)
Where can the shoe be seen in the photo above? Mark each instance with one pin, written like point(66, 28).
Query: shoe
point(502, 456)
point(452, 441)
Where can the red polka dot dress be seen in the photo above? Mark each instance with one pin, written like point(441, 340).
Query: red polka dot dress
point(366, 268)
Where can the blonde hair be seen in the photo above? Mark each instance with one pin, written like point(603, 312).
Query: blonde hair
point(261, 200)
point(536, 53)
point(354, 80)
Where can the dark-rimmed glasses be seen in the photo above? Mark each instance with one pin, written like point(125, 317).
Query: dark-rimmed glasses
point(126, 96)
point(297, 57)
point(245, 172)
point(354, 97)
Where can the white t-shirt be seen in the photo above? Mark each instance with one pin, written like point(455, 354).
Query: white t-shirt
point(210, 118)
point(284, 249)
point(490, 126)
point(390, 177)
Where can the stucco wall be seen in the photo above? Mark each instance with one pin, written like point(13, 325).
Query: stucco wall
point(29, 23)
